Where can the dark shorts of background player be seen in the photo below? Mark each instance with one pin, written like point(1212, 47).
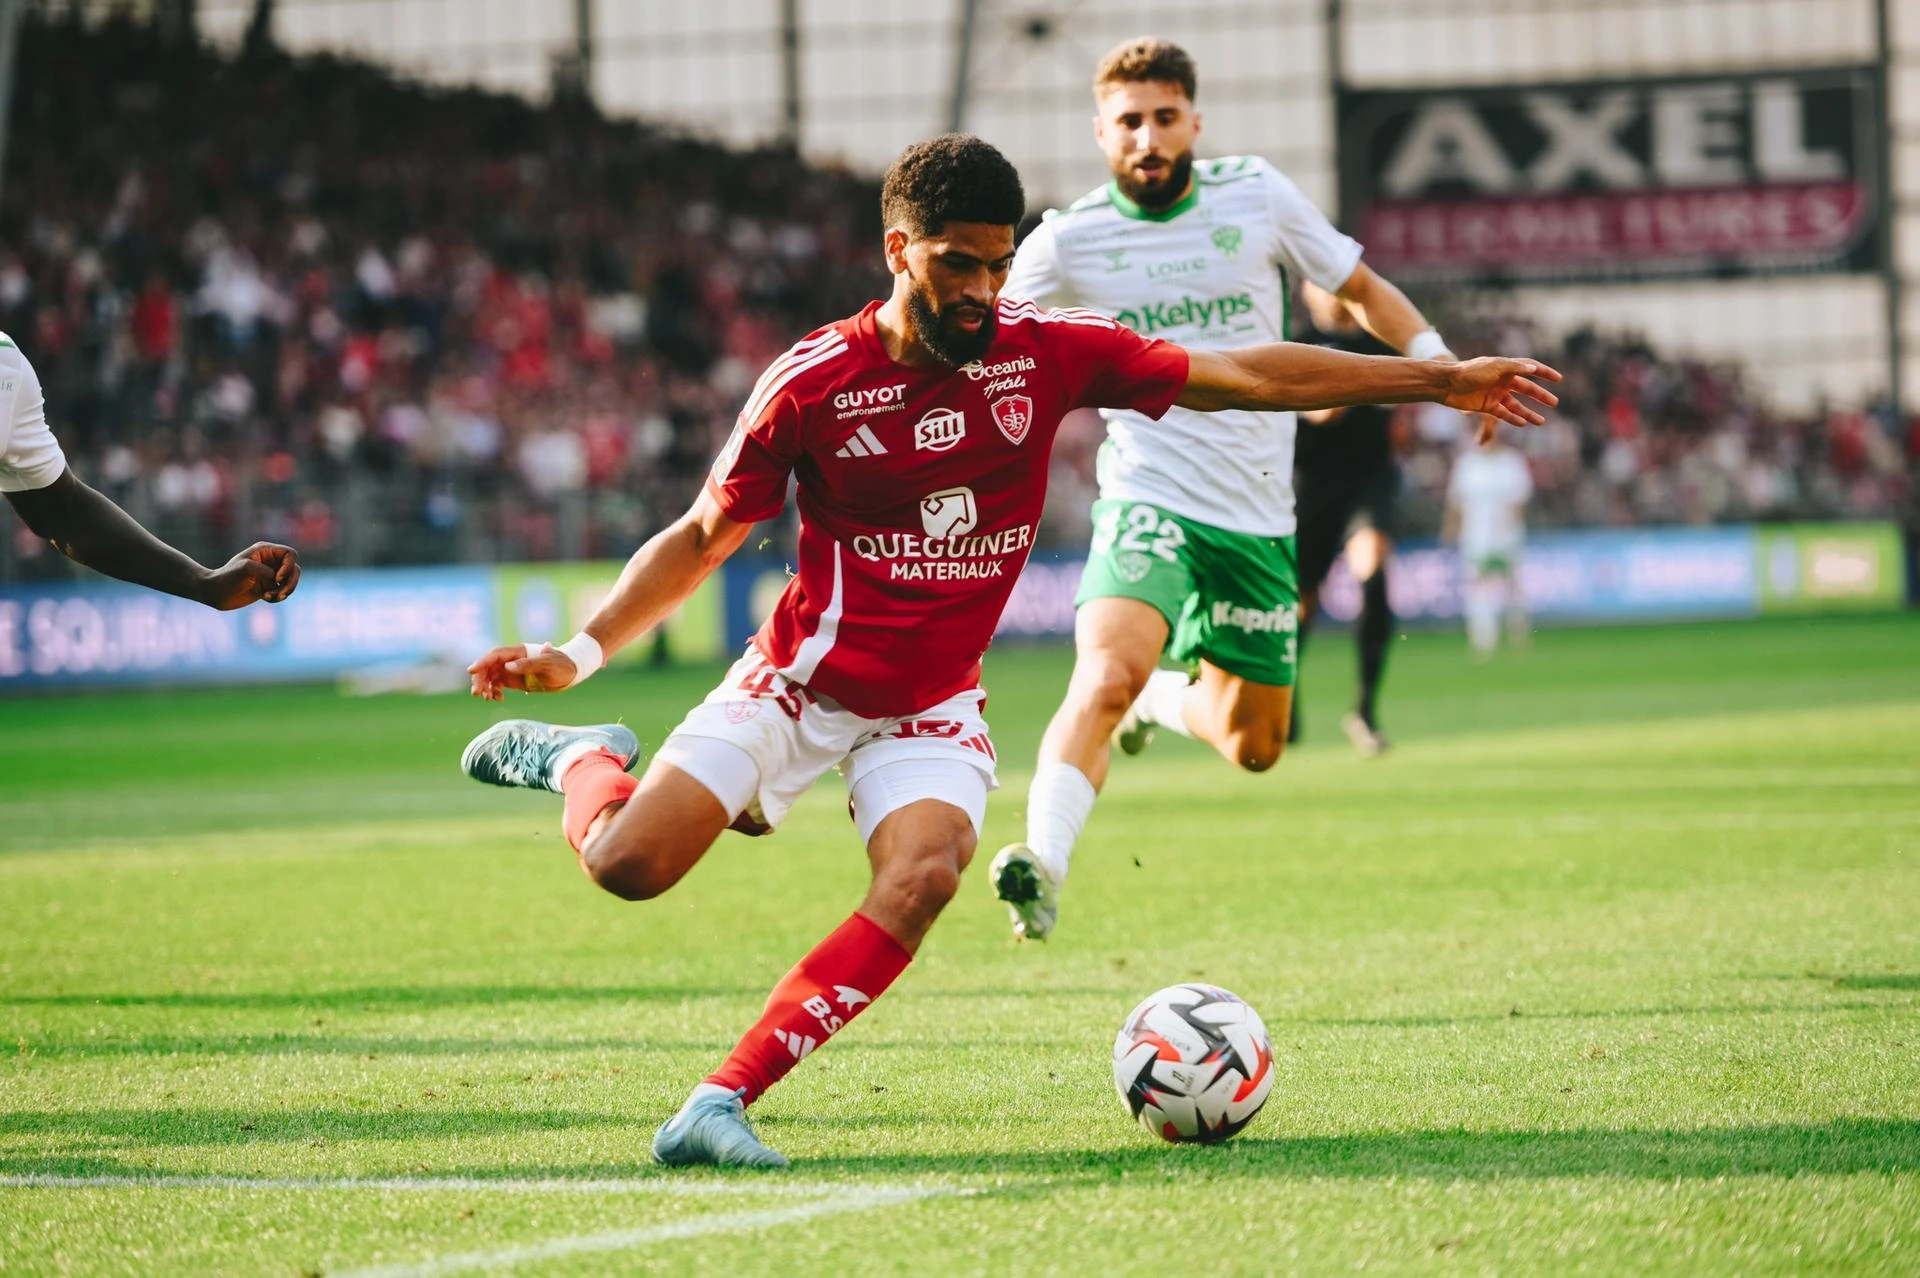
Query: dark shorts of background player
point(1332, 507)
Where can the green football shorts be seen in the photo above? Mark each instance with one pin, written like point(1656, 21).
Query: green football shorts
point(1231, 599)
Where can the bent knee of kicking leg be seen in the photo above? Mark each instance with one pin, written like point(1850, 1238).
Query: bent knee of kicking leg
point(1257, 749)
point(629, 868)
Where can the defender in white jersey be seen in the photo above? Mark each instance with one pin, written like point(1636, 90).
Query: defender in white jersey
point(1487, 497)
point(1193, 550)
point(88, 528)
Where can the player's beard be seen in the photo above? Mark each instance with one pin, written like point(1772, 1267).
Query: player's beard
point(1158, 192)
point(948, 341)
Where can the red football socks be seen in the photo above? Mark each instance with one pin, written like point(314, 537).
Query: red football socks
point(593, 781)
point(828, 987)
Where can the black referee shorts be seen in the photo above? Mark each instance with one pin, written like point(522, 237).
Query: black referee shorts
point(1332, 508)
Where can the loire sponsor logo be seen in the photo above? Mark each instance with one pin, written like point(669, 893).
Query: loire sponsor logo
point(871, 399)
point(1175, 267)
point(1014, 416)
point(940, 430)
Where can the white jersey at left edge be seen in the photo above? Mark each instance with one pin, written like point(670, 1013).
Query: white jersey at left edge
point(1213, 272)
point(30, 457)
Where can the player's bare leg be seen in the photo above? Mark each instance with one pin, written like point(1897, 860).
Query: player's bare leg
point(1366, 553)
point(917, 854)
point(639, 846)
point(1117, 643)
point(1243, 720)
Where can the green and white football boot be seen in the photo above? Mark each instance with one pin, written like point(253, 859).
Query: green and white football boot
point(1134, 732)
point(1032, 893)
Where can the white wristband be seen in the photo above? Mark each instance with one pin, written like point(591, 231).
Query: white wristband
point(1427, 344)
point(586, 654)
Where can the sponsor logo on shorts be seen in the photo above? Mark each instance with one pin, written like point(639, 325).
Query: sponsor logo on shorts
point(940, 430)
point(1014, 416)
point(1284, 620)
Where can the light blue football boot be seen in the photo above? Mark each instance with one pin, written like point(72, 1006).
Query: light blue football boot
point(534, 755)
point(711, 1129)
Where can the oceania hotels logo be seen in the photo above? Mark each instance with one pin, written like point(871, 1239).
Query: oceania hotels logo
point(1008, 374)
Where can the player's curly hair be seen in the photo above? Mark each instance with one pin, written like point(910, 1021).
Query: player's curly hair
point(952, 178)
point(1147, 60)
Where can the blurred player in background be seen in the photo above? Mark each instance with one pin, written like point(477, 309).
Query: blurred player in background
point(918, 432)
point(1193, 548)
point(89, 529)
point(1486, 515)
point(1347, 482)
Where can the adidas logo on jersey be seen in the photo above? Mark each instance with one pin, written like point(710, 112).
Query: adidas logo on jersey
point(862, 443)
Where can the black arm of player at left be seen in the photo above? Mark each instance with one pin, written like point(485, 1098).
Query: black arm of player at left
point(88, 528)
point(1287, 376)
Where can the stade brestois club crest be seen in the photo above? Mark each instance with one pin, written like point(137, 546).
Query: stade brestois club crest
point(1013, 414)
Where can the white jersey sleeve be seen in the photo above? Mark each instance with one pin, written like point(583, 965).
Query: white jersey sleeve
point(30, 457)
point(1304, 240)
point(1037, 271)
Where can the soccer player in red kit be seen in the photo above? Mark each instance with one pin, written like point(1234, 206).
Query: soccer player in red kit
point(918, 432)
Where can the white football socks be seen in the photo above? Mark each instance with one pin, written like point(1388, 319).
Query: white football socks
point(1482, 606)
point(1163, 701)
point(1058, 805)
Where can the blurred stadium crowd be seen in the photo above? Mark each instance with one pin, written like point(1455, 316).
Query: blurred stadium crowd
point(392, 324)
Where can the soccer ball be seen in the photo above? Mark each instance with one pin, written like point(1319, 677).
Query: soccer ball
point(1193, 1063)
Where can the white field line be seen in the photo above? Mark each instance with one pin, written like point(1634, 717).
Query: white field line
point(627, 1239)
point(663, 1185)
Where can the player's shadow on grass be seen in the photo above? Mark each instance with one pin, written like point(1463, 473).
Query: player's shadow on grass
point(1885, 981)
point(132, 1129)
point(380, 997)
point(427, 997)
point(1844, 1146)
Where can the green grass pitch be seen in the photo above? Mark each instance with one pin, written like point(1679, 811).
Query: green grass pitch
point(1612, 966)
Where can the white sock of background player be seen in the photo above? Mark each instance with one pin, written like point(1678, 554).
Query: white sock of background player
point(1163, 701)
point(1482, 604)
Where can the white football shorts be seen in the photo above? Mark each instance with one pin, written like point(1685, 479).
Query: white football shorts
point(759, 741)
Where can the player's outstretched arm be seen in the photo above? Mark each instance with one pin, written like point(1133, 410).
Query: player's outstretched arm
point(1285, 376)
point(661, 574)
point(88, 528)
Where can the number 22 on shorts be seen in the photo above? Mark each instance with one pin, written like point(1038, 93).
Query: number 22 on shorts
point(1146, 532)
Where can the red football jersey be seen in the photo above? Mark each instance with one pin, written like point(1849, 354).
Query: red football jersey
point(919, 490)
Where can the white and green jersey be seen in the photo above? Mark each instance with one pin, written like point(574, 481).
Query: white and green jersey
point(1214, 271)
